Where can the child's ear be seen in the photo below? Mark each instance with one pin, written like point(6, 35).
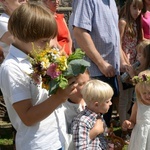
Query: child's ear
point(96, 104)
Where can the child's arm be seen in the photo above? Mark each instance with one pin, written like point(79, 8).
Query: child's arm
point(122, 25)
point(1, 55)
point(97, 129)
point(129, 124)
point(31, 114)
point(131, 71)
point(10, 5)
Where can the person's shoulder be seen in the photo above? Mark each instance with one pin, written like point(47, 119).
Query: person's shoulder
point(122, 22)
point(146, 15)
point(69, 105)
point(4, 18)
point(59, 15)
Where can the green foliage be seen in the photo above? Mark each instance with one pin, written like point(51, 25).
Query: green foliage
point(76, 65)
point(78, 54)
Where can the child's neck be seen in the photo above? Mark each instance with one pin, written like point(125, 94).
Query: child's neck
point(92, 108)
point(22, 46)
point(76, 101)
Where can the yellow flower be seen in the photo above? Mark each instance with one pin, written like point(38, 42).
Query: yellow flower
point(45, 86)
point(62, 60)
point(45, 62)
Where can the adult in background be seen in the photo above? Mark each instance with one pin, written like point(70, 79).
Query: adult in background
point(5, 37)
point(63, 38)
point(95, 28)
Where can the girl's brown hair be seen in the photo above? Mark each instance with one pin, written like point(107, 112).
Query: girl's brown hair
point(125, 13)
point(144, 46)
point(31, 22)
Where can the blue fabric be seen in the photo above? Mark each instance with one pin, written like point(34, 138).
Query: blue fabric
point(100, 19)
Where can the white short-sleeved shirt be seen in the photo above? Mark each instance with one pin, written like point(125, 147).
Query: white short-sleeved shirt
point(3, 29)
point(16, 86)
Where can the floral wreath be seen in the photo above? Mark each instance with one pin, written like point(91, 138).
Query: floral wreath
point(139, 79)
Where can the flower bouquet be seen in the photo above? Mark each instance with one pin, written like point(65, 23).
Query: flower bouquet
point(53, 67)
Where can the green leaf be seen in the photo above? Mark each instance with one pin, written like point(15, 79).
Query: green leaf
point(54, 85)
point(78, 54)
point(75, 67)
point(63, 83)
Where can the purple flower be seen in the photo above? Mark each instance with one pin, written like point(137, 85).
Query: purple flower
point(53, 71)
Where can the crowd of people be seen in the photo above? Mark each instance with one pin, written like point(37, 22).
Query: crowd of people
point(113, 39)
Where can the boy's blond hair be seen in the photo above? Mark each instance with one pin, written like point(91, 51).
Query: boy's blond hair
point(31, 22)
point(96, 90)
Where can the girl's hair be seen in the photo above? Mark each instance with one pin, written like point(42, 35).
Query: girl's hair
point(31, 22)
point(144, 47)
point(126, 14)
point(96, 90)
point(85, 72)
point(142, 86)
point(144, 7)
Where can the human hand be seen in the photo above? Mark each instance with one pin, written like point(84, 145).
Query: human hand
point(127, 125)
point(123, 67)
point(131, 71)
point(99, 126)
point(65, 93)
point(54, 43)
point(97, 129)
point(107, 69)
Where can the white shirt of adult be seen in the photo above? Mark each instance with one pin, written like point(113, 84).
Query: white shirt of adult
point(16, 85)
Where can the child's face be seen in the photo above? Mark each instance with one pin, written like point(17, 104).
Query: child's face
point(135, 11)
point(140, 57)
point(52, 4)
point(81, 80)
point(42, 42)
point(104, 107)
point(145, 96)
